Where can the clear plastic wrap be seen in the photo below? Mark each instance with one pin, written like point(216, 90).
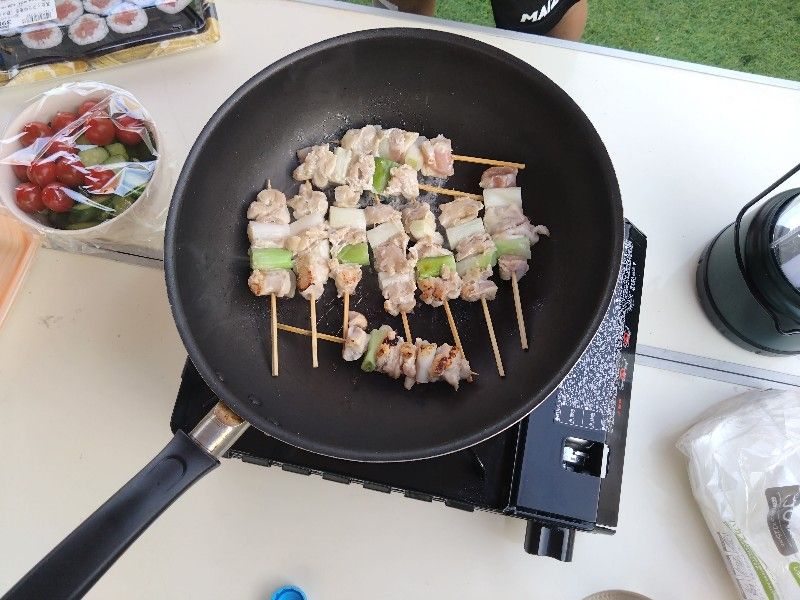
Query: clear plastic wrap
point(744, 467)
point(81, 165)
point(45, 39)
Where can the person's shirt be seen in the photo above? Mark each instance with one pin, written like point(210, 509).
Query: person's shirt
point(530, 16)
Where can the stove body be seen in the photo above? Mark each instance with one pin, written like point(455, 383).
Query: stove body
point(560, 468)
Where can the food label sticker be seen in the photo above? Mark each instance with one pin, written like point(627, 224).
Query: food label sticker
point(21, 13)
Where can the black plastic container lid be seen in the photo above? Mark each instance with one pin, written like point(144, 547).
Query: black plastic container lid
point(785, 242)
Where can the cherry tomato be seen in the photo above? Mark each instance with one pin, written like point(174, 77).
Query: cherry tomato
point(86, 107)
point(70, 171)
point(21, 171)
point(42, 172)
point(97, 178)
point(128, 129)
point(100, 131)
point(62, 119)
point(56, 197)
point(29, 197)
point(33, 131)
point(60, 148)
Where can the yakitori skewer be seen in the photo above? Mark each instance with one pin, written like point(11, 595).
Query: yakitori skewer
point(272, 274)
point(308, 333)
point(511, 231)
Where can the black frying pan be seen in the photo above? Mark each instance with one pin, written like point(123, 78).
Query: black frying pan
point(491, 104)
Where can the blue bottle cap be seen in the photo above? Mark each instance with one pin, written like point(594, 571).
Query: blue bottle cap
point(288, 592)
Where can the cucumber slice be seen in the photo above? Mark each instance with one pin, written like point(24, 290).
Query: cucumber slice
point(82, 213)
point(499, 197)
point(460, 232)
point(432, 265)
point(518, 246)
point(120, 204)
point(93, 156)
point(347, 217)
point(354, 254)
point(117, 149)
point(270, 258)
point(82, 225)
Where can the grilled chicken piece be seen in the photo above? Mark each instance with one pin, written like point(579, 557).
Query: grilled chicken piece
point(363, 141)
point(475, 244)
point(449, 364)
point(394, 143)
point(403, 182)
point(398, 292)
point(308, 201)
point(269, 207)
point(345, 236)
point(273, 281)
point(476, 285)
point(408, 365)
point(434, 290)
point(498, 177)
point(317, 166)
point(356, 338)
point(426, 248)
point(388, 359)
point(459, 211)
point(381, 213)
point(346, 277)
point(312, 271)
point(425, 355)
point(437, 157)
point(512, 264)
point(346, 197)
point(360, 172)
point(309, 238)
point(510, 221)
point(390, 257)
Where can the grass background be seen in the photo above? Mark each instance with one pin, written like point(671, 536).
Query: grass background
point(757, 36)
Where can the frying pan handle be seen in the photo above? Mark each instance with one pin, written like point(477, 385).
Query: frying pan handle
point(75, 565)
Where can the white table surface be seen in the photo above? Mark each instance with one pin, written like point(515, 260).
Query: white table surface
point(90, 361)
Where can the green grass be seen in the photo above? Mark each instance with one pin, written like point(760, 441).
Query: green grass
point(760, 36)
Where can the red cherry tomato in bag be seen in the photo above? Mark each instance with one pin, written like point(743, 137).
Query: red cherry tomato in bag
point(42, 172)
point(29, 197)
point(96, 179)
point(86, 107)
point(128, 130)
point(60, 148)
point(62, 119)
point(70, 171)
point(21, 171)
point(56, 197)
point(33, 131)
point(100, 131)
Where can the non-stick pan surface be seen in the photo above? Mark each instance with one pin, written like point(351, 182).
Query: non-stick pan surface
point(490, 104)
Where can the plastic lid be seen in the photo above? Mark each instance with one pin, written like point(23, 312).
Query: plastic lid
point(785, 242)
point(288, 592)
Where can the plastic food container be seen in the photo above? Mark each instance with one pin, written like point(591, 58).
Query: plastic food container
point(17, 248)
point(135, 222)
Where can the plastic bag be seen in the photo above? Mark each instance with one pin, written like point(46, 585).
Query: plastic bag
point(87, 180)
point(45, 39)
point(744, 467)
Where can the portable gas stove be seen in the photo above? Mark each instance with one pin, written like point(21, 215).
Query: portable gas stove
point(560, 468)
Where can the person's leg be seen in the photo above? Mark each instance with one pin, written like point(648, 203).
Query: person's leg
point(571, 26)
point(420, 7)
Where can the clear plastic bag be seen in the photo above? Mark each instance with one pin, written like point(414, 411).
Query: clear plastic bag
point(82, 165)
point(95, 34)
point(744, 467)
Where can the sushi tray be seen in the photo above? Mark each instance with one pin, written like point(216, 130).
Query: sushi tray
point(44, 39)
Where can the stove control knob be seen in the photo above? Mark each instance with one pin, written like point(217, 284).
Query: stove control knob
point(544, 540)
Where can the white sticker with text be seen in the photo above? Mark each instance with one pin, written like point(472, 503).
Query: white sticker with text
point(15, 14)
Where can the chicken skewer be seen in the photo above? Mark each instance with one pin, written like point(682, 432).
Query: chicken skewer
point(511, 231)
point(271, 263)
point(308, 242)
point(475, 256)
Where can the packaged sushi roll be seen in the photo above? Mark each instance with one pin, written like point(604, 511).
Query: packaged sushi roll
point(83, 35)
point(80, 167)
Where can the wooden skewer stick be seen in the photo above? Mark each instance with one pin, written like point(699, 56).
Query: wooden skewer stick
point(495, 349)
point(488, 161)
point(346, 321)
point(406, 328)
point(447, 192)
point(307, 332)
point(314, 361)
point(454, 331)
point(274, 318)
point(523, 336)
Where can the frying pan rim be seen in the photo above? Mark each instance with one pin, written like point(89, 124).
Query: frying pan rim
point(247, 412)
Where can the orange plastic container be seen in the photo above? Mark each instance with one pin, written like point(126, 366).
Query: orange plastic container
point(17, 247)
